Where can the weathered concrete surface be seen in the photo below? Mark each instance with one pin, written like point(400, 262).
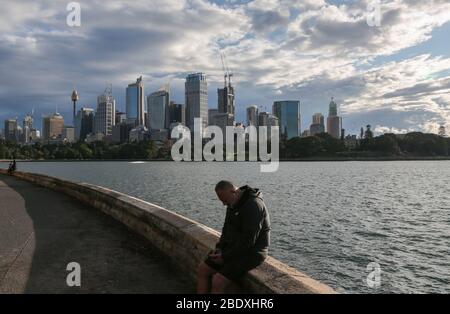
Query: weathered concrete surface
point(41, 231)
point(184, 241)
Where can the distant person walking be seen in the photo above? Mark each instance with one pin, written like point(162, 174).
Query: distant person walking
point(244, 242)
point(12, 167)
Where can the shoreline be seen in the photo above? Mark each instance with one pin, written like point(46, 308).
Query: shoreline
point(313, 159)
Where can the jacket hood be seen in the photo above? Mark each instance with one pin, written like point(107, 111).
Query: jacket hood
point(248, 192)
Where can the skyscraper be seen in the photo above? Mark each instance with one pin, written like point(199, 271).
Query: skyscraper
point(334, 122)
point(225, 103)
point(196, 95)
point(84, 123)
point(288, 114)
point(27, 128)
point(10, 132)
point(252, 115)
point(135, 103)
point(177, 113)
point(52, 126)
point(158, 110)
point(105, 114)
point(318, 124)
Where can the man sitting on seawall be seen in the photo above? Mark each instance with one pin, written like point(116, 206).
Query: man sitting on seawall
point(243, 244)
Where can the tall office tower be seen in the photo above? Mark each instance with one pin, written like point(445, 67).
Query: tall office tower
point(52, 126)
point(318, 124)
point(105, 115)
point(288, 114)
point(135, 103)
point(84, 123)
point(225, 103)
point(158, 110)
point(252, 115)
point(27, 128)
point(177, 113)
point(334, 122)
point(196, 95)
point(11, 133)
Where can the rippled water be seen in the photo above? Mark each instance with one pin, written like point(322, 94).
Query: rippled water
point(329, 219)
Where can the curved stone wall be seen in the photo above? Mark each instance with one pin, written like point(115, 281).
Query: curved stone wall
point(178, 237)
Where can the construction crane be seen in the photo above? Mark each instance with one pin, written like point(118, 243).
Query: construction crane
point(226, 70)
point(225, 73)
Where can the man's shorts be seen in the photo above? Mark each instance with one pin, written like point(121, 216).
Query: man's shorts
point(236, 268)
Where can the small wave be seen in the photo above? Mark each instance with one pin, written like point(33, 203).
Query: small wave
point(371, 234)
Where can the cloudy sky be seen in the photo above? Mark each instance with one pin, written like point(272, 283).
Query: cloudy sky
point(394, 75)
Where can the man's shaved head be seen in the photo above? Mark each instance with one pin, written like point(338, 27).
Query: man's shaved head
point(224, 185)
point(227, 192)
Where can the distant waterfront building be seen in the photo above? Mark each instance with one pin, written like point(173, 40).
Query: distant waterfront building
point(288, 114)
point(139, 133)
point(177, 113)
point(27, 128)
point(35, 135)
point(121, 132)
point(318, 124)
point(105, 114)
point(159, 135)
point(196, 96)
point(273, 121)
point(368, 133)
point(225, 101)
point(158, 110)
point(441, 131)
point(84, 123)
point(94, 137)
point(351, 141)
point(135, 103)
point(212, 113)
point(52, 126)
point(68, 134)
point(121, 117)
point(223, 120)
point(11, 131)
point(334, 122)
point(252, 115)
point(263, 118)
point(268, 120)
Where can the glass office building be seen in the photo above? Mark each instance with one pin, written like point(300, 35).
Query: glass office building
point(158, 106)
point(135, 103)
point(288, 114)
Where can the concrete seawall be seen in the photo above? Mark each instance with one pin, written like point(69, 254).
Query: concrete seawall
point(179, 238)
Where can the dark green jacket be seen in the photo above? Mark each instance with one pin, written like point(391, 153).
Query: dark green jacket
point(247, 226)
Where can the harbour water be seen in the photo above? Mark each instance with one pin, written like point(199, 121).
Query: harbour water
point(330, 220)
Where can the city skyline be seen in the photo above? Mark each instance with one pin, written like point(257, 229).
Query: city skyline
point(394, 76)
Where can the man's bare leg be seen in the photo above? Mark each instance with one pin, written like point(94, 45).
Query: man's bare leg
point(204, 276)
point(219, 284)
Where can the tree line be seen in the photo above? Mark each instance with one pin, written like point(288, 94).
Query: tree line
point(415, 144)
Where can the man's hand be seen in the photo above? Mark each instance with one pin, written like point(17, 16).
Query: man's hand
point(216, 256)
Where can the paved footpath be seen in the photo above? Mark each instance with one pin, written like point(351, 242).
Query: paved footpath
point(42, 231)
